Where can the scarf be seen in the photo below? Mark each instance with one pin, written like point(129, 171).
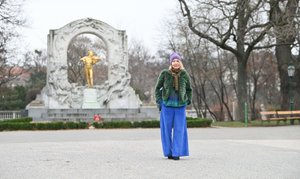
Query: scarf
point(175, 73)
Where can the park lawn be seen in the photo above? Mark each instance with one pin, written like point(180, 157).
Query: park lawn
point(254, 123)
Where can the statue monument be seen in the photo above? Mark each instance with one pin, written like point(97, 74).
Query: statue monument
point(60, 97)
point(89, 61)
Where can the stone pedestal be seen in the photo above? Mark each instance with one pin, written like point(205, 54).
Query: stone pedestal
point(90, 99)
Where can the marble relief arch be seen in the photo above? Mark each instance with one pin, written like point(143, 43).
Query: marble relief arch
point(113, 93)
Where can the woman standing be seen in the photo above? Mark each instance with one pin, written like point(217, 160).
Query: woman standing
point(173, 93)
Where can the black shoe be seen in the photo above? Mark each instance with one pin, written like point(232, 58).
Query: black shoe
point(170, 157)
point(176, 158)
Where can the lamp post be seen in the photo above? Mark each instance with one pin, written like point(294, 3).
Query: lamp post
point(291, 72)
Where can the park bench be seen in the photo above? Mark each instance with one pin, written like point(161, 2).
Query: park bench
point(280, 116)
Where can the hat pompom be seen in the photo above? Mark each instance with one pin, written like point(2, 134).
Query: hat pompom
point(175, 55)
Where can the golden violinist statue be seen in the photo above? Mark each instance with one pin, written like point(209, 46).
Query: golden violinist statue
point(89, 61)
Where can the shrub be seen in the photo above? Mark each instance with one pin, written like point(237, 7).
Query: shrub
point(117, 124)
point(97, 125)
point(190, 118)
point(26, 124)
point(199, 123)
point(149, 124)
point(27, 119)
point(41, 126)
point(15, 126)
point(136, 124)
point(82, 125)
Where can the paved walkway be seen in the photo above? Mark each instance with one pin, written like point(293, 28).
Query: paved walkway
point(271, 152)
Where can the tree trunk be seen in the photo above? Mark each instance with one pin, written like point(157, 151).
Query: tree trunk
point(286, 32)
point(283, 55)
point(241, 88)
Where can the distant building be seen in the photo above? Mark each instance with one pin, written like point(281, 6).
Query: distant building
point(18, 77)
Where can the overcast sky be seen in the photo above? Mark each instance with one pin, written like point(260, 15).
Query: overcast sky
point(142, 19)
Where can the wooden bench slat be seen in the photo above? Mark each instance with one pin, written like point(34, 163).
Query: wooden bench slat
point(280, 118)
point(268, 112)
point(284, 112)
point(293, 117)
point(280, 115)
point(295, 112)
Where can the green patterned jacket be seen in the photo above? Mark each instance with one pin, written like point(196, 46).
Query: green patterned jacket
point(164, 86)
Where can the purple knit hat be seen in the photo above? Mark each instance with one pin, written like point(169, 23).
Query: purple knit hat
point(175, 55)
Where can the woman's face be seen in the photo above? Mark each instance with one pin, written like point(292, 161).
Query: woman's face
point(175, 64)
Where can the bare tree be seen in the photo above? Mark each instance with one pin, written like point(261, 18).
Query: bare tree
point(284, 15)
point(144, 70)
point(235, 26)
point(36, 66)
point(221, 84)
point(262, 82)
point(10, 18)
point(36, 60)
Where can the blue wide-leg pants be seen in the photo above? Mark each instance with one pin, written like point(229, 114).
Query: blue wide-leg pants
point(173, 130)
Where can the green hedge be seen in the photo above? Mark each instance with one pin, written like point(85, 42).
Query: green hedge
point(191, 122)
point(27, 119)
point(27, 124)
point(199, 123)
point(117, 124)
point(12, 126)
point(145, 124)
